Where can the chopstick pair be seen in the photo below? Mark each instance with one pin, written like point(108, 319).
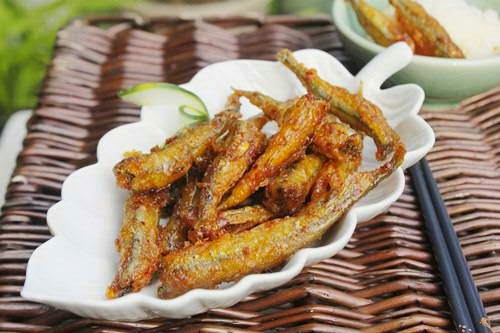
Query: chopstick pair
point(465, 303)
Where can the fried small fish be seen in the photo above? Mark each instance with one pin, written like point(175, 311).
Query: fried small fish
point(173, 235)
point(163, 166)
point(234, 255)
point(336, 140)
point(244, 218)
point(332, 176)
point(286, 146)
point(383, 29)
point(353, 109)
point(331, 136)
point(137, 243)
point(428, 34)
point(245, 142)
point(286, 193)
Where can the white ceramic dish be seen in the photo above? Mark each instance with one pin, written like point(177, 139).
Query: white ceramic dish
point(72, 270)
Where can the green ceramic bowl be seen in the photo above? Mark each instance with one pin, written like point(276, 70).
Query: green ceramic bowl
point(445, 81)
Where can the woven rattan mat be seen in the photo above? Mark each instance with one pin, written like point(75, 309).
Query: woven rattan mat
point(384, 281)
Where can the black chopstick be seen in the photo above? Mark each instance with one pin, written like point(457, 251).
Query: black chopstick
point(452, 288)
point(469, 289)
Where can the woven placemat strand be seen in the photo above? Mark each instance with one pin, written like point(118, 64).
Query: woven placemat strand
point(384, 281)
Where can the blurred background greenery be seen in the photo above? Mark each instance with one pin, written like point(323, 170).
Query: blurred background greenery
point(26, 39)
point(28, 29)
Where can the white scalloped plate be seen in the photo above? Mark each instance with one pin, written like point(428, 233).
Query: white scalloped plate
point(72, 270)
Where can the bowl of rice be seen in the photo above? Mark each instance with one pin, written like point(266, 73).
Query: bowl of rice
point(473, 25)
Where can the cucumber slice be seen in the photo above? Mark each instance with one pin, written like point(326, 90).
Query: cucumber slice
point(160, 93)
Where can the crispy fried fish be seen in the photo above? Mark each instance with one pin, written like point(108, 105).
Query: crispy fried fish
point(430, 37)
point(234, 255)
point(334, 140)
point(353, 109)
point(174, 234)
point(165, 165)
point(285, 147)
point(138, 243)
point(240, 219)
point(244, 218)
point(245, 142)
point(286, 193)
point(332, 176)
point(329, 137)
point(383, 29)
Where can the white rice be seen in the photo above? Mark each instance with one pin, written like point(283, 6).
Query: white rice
point(474, 31)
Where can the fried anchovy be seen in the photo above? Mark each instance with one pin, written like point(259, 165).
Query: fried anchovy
point(286, 193)
point(244, 218)
point(383, 29)
point(332, 176)
point(330, 138)
point(429, 36)
point(240, 219)
point(353, 109)
point(137, 243)
point(244, 144)
point(285, 147)
point(234, 255)
point(174, 234)
point(165, 165)
point(335, 141)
